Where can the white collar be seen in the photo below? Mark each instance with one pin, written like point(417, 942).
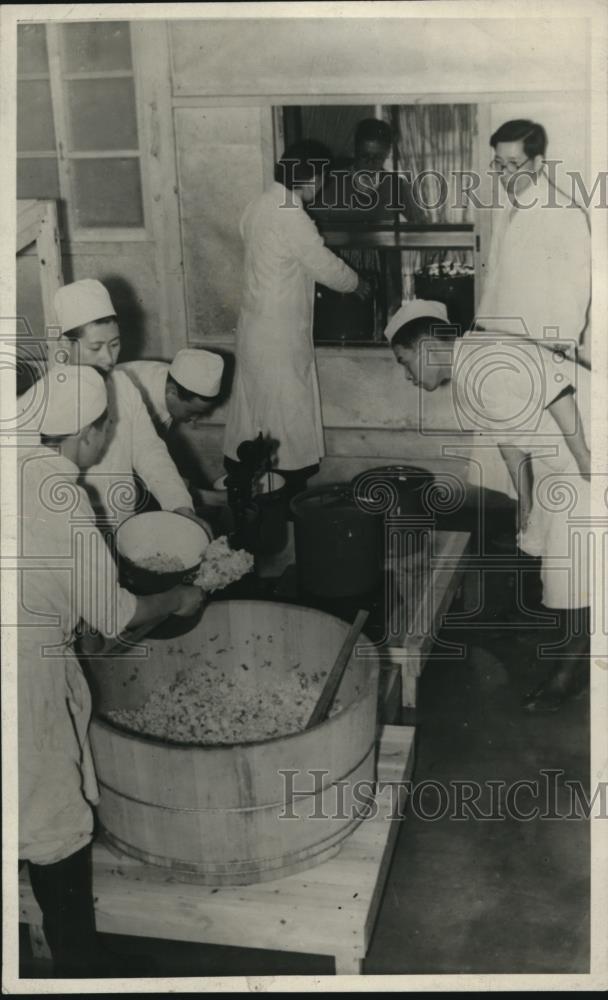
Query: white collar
point(63, 464)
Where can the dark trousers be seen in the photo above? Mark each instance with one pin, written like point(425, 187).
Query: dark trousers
point(574, 634)
point(569, 667)
point(64, 893)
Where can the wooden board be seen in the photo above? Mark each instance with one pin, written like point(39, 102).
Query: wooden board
point(427, 589)
point(29, 218)
point(328, 910)
point(153, 79)
point(37, 223)
point(48, 247)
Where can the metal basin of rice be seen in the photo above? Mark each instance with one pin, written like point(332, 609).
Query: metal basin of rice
point(158, 550)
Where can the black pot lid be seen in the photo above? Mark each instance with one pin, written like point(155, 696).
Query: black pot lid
point(333, 495)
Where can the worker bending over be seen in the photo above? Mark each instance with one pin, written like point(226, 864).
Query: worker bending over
point(67, 576)
point(90, 336)
point(179, 392)
point(532, 401)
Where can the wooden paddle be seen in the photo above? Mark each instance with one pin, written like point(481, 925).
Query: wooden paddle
point(335, 674)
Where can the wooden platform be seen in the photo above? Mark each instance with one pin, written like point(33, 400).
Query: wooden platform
point(327, 910)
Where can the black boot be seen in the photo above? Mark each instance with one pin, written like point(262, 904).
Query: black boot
point(63, 891)
point(566, 682)
point(569, 675)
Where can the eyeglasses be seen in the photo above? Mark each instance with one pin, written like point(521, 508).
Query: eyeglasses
point(508, 168)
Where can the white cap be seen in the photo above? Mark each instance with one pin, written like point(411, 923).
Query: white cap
point(414, 310)
point(82, 302)
point(67, 399)
point(198, 371)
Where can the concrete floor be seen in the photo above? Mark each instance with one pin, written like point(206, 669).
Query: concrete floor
point(464, 896)
point(481, 896)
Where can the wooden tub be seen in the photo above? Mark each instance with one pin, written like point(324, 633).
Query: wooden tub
point(225, 815)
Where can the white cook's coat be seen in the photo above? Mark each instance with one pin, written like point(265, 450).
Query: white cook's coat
point(66, 573)
point(538, 272)
point(150, 378)
point(539, 266)
point(502, 393)
point(133, 446)
point(276, 388)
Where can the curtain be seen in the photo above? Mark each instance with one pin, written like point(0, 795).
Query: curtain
point(436, 137)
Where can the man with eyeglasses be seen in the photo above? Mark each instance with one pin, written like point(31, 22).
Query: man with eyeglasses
point(539, 263)
point(539, 271)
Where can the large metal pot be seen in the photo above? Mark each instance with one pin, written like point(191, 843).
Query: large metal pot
point(394, 489)
point(339, 546)
point(398, 491)
point(159, 536)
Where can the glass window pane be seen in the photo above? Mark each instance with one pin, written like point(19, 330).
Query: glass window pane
point(102, 114)
point(107, 193)
point(35, 128)
point(31, 49)
point(96, 46)
point(37, 178)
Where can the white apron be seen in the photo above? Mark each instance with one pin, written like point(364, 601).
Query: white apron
point(57, 784)
point(508, 406)
point(66, 574)
point(559, 529)
point(276, 389)
point(559, 532)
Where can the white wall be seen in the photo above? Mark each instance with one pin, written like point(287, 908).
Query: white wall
point(219, 160)
point(349, 56)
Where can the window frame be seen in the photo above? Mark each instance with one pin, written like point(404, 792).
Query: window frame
point(39, 154)
point(396, 234)
point(94, 234)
